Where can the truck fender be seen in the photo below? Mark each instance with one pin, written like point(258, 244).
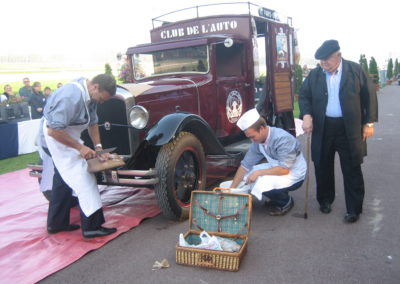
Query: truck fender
point(172, 124)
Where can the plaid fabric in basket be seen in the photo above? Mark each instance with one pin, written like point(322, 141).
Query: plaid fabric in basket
point(230, 204)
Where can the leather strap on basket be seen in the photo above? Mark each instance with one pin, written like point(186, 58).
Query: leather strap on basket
point(237, 235)
point(194, 222)
point(218, 217)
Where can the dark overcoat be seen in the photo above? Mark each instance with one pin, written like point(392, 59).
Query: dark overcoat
point(37, 100)
point(358, 101)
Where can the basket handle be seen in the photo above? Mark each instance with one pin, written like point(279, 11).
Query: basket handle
point(221, 189)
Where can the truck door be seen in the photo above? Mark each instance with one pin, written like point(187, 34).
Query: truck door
point(281, 74)
point(234, 94)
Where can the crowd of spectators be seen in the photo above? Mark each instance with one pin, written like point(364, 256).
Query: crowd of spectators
point(33, 95)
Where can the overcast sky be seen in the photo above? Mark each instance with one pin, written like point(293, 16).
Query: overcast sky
point(88, 27)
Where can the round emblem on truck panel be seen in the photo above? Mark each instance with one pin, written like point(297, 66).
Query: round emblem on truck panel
point(234, 106)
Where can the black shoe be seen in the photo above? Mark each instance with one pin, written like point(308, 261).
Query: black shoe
point(68, 228)
point(325, 208)
point(101, 232)
point(351, 217)
point(269, 204)
point(280, 211)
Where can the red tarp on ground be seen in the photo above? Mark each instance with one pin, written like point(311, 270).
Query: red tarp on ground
point(28, 254)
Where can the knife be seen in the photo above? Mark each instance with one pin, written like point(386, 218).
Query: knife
point(108, 150)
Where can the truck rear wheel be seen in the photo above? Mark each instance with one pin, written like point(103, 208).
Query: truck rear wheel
point(181, 169)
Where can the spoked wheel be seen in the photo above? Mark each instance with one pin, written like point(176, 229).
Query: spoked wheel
point(181, 169)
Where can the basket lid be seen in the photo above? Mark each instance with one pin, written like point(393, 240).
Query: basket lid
point(215, 211)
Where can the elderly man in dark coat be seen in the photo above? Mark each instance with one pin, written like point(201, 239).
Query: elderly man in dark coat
point(338, 104)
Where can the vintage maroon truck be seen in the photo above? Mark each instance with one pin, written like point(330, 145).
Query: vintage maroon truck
point(174, 122)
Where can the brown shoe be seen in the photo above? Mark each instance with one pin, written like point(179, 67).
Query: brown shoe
point(280, 211)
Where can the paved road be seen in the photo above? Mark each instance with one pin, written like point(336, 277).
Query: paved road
point(321, 249)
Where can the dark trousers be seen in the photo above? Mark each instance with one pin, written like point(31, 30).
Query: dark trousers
point(61, 203)
point(281, 197)
point(335, 140)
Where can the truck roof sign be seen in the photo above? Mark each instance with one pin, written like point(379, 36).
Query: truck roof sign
point(226, 25)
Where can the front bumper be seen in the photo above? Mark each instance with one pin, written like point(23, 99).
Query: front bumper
point(114, 177)
point(128, 177)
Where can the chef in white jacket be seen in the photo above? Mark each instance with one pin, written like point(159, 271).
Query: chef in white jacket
point(69, 111)
point(284, 170)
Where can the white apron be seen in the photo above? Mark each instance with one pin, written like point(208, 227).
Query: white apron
point(268, 182)
point(72, 167)
point(46, 183)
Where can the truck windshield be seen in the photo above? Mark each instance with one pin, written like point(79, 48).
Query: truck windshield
point(178, 60)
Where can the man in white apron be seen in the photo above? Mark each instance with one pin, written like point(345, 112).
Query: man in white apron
point(68, 112)
point(284, 170)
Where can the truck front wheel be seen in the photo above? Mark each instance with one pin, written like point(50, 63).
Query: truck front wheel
point(181, 169)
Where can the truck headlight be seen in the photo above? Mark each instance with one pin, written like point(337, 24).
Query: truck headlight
point(138, 117)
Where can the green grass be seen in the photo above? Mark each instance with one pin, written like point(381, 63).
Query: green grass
point(296, 110)
point(18, 163)
point(21, 69)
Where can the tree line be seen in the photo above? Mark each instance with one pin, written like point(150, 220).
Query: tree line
point(392, 70)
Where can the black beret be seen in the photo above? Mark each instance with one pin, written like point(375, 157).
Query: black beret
point(327, 48)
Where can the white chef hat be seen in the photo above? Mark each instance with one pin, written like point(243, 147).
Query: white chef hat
point(248, 119)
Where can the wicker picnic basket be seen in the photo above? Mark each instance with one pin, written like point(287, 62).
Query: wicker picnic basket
point(226, 215)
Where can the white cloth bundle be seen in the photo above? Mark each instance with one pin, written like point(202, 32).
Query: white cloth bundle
point(211, 242)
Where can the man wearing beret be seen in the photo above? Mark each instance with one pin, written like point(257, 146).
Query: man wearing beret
point(338, 105)
point(283, 171)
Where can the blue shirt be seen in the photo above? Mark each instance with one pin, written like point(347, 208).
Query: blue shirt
point(280, 146)
point(66, 107)
point(333, 109)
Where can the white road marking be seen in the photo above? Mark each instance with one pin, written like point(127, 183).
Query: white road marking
point(376, 220)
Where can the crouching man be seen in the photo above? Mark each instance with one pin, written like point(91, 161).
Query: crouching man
point(284, 170)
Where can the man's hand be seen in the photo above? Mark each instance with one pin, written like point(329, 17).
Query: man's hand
point(103, 157)
point(253, 176)
point(240, 173)
point(307, 124)
point(368, 131)
point(87, 153)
